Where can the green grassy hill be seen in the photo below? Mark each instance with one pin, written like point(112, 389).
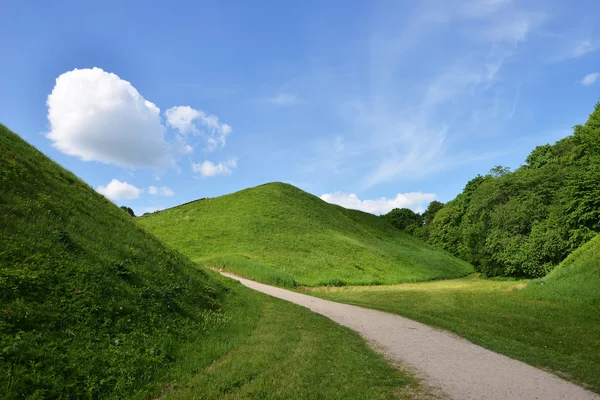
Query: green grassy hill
point(90, 304)
point(276, 233)
point(576, 279)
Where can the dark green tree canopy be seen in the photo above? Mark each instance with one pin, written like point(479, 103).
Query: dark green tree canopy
point(402, 218)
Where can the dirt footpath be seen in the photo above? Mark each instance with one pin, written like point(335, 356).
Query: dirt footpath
point(457, 368)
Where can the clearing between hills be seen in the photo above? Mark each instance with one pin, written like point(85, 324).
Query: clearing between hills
point(92, 306)
point(452, 365)
point(279, 234)
point(551, 323)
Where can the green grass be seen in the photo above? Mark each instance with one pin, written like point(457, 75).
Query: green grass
point(292, 353)
point(549, 329)
point(278, 234)
point(92, 306)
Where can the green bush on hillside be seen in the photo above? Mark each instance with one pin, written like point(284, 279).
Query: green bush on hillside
point(404, 219)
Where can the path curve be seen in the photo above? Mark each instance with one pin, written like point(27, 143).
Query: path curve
point(457, 367)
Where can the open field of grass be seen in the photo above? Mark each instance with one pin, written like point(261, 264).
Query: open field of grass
point(278, 234)
point(92, 306)
point(547, 329)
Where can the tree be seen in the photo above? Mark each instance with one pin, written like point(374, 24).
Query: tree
point(540, 156)
point(404, 219)
point(499, 171)
point(128, 210)
point(432, 209)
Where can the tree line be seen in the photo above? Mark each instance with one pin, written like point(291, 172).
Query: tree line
point(520, 223)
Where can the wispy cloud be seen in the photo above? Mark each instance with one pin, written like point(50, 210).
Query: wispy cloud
point(572, 46)
point(513, 30)
point(210, 169)
point(590, 79)
point(282, 99)
point(403, 124)
point(581, 48)
point(161, 191)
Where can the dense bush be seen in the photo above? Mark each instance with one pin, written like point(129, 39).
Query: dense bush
point(404, 219)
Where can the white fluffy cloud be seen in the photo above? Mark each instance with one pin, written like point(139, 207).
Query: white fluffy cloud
point(208, 168)
point(416, 201)
point(590, 79)
point(95, 115)
point(190, 121)
point(162, 191)
point(117, 190)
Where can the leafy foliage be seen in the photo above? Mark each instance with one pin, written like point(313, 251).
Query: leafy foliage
point(278, 234)
point(524, 223)
point(413, 223)
point(404, 219)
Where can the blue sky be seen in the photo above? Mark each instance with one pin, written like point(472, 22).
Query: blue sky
point(370, 104)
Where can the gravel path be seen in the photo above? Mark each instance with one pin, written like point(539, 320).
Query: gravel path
point(457, 368)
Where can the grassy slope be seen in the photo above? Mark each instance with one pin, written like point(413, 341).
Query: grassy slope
point(91, 306)
point(279, 234)
point(576, 279)
point(553, 326)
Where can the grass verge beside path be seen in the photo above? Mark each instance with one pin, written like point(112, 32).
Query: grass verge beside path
point(559, 336)
point(292, 353)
